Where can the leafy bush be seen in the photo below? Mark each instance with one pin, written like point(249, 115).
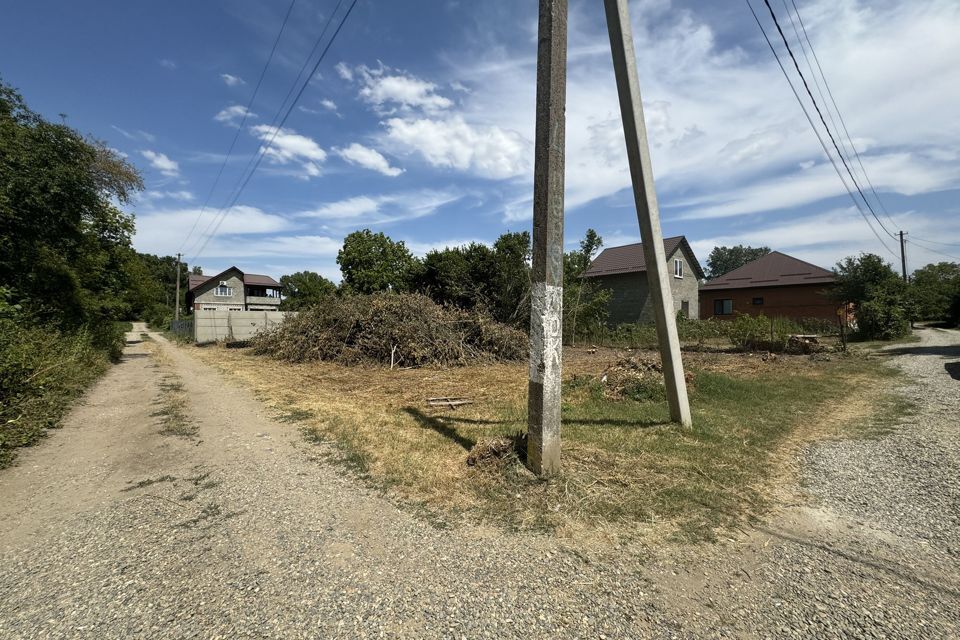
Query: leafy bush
point(42, 370)
point(384, 328)
point(879, 319)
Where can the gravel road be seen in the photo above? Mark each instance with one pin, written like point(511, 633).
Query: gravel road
point(112, 529)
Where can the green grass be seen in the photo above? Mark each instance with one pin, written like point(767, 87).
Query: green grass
point(172, 412)
point(625, 465)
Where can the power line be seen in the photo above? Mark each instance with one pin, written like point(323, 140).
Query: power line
point(816, 106)
point(264, 148)
point(925, 248)
point(823, 143)
point(945, 244)
point(246, 113)
point(836, 108)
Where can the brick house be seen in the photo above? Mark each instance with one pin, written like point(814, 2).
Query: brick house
point(623, 270)
point(776, 285)
point(233, 290)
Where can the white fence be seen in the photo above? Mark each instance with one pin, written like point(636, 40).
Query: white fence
point(211, 326)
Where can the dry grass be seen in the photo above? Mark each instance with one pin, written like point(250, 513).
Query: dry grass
point(626, 471)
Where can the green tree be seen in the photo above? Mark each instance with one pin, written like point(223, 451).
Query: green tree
point(64, 245)
point(584, 301)
point(372, 262)
point(723, 260)
point(304, 289)
point(933, 289)
point(879, 296)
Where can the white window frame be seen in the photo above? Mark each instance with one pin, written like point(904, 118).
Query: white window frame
point(223, 285)
point(677, 268)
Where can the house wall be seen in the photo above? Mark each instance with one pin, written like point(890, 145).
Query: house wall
point(204, 294)
point(630, 293)
point(211, 326)
point(792, 301)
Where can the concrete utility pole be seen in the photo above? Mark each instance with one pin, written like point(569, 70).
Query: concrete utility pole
point(546, 297)
point(648, 213)
point(176, 303)
point(903, 257)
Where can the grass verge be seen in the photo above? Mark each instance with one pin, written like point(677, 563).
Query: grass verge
point(627, 472)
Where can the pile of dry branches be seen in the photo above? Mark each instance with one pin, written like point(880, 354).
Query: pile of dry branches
point(402, 330)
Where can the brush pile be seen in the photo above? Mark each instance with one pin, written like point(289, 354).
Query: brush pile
point(637, 378)
point(401, 330)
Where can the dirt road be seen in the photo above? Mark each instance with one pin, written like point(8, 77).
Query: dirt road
point(235, 529)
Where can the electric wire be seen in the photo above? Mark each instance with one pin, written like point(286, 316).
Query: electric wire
point(236, 135)
point(264, 148)
point(816, 106)
point(937, 251)
point(823, 143)
point(843, 123)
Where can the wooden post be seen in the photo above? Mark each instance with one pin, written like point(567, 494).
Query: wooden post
point(903, 257)
point(546, 296)
point(648, 213)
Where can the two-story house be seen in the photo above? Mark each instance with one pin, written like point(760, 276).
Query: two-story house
point(623, 270)
point(233, 290)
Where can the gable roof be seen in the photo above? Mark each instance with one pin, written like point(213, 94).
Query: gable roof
point(772, 270)
point(630, 258)
point(255, 279)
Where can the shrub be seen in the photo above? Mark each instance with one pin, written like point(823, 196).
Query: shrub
point(384, 328)
point(759, 333)
point(879, 319)
point(42, 370)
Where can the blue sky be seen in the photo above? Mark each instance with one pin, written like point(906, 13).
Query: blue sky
point(420, 122)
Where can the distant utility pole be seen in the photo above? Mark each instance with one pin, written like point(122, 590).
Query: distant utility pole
point(903, 257)
point(176, 303)
point(648, 213)
point(546, 298)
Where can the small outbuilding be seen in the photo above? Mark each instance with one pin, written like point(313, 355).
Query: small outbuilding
point(623, 270)
point(776, 286)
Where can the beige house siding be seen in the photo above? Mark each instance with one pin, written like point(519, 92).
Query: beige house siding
point(630, 295)
point(205, 296)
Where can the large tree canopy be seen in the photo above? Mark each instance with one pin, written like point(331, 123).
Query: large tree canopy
point(372, 262)
point(723, 260)
point(64, 246)
point(304, 289)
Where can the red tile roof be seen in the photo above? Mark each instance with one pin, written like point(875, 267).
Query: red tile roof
point(630, 258)
point(772, 270)
point(255, 279)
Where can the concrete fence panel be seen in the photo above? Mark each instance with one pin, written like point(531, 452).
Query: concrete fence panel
point(212, 326)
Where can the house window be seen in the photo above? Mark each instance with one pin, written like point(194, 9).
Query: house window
point(223, 290)
point(678, 268)
point(757, 301)
point(723, 307)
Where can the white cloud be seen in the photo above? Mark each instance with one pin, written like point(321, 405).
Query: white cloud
point(368, 158)
point(383, 209)
point(136, 135)
point(161, 163)
point(162, 231)
point(233, 115)
point(167, 63)
point(387, 90)
point(344, 71)
point(328, 104)
point(488, 151)
point(151, 196)
point(232, 80)
point(287, 146)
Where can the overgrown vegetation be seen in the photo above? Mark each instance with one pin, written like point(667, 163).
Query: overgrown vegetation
point(626, 470)
point(880, 298)
point(64, 267)
point(392, 329)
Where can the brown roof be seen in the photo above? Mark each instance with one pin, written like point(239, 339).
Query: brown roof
point(630, 258)
point(772, 270)
point(255, 279)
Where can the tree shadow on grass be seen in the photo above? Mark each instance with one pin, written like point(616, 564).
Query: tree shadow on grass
point(599, 422)
point(439, 424)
